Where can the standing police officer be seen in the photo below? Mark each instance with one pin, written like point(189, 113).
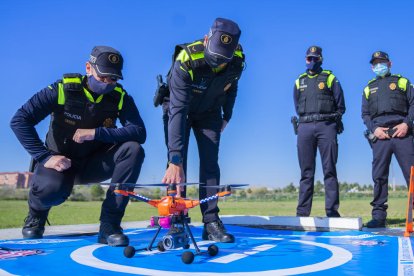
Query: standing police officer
point(387, 111)
point(203, 87)
point(83, 143)
point(320, 104)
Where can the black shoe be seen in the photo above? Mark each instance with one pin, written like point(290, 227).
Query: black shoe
point(374, 223)
point(112, 235)
point(34, 226)
point(333, 214)
point(215, 231)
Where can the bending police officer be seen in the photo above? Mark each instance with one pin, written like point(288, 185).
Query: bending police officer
point(387, 111)
point(203, 85)
point(83, 144)
point(320, 104)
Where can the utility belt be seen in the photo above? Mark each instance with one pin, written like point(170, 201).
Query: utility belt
point(319, 117)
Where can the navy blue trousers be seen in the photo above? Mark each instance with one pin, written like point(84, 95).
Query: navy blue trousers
point(122, 163)
point(313, 136)
point(382, 151)
point(207, 131)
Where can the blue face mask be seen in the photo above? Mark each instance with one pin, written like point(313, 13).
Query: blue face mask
point(381, 69)
point(314, 65)
point(100, 87)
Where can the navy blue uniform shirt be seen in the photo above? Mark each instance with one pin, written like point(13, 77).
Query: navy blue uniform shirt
point(45, 102)
point(186, 101)
point(337, 93)
point(388, 120)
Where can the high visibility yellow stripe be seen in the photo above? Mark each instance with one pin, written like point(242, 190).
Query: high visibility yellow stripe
point(238, 53)
point(366, 92)
point(73, 80)
point(330, 79)
point(402, 84)
point(61, 94)
point(297, 83)
point(121, 101)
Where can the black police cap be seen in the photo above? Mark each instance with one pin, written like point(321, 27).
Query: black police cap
point(107, 61)
point(379, 55)
point(223, 39)
point(314, 51)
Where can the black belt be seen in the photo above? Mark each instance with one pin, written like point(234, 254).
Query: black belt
point(319, 117)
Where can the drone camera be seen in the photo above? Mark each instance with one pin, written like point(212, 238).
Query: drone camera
point(175, 240)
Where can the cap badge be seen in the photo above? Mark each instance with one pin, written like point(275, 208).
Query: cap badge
point(92, 58)
point(377, 54)
point(321, 85)
point(226, 39)
point(113, 58)
point(313, 49)
point(393, 86)
point(109, 123)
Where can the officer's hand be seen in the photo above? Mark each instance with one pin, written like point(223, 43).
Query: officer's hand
point(58, 162)
point(174, 174)
point(223, 126)
point(82, 135)
point(381, 134)
point(400, 130)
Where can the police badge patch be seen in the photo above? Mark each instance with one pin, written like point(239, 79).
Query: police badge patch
point(109, 123)
point(393, 86)
point(321, 85)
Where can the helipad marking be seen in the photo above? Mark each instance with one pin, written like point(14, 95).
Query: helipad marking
point(340, 256)
point(237, 256)
point(405, 257)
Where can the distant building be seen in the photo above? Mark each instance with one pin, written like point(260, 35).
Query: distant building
point(16, 179)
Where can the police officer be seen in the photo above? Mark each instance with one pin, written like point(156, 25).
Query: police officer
point(203, 87)
point(320, 104)
point(83, 143)
point(387, 111)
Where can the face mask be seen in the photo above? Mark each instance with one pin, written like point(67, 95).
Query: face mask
point(213, 61)
point(380, 69)
point(100, 87)
point(314, 65)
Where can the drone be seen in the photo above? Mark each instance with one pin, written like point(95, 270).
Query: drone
point(173, 215)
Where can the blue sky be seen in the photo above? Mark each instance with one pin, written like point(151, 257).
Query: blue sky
point(41, 40)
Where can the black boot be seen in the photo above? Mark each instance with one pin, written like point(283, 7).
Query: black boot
point(112, 235)
point(34, 226)
point(376, 223)
point(215, 231)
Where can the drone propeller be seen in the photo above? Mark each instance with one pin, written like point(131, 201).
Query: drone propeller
point(164, 185)
point(233, 186)
point(117, 185)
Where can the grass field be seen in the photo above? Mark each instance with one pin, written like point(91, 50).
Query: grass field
point(13, 212)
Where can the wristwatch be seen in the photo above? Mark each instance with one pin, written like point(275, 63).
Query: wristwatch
point(176, 160)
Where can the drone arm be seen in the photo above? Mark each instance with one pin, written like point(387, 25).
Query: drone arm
point(132, 195)
point(216, 196)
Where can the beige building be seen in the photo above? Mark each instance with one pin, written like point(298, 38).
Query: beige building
point(16, 179)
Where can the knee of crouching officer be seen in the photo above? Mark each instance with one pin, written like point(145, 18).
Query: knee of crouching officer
point(133, 151)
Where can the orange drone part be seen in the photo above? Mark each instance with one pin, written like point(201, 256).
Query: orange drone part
point(169, 205)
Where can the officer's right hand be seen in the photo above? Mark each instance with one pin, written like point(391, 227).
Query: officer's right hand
point(174, 174)
point(58, 162)
point(380, 133)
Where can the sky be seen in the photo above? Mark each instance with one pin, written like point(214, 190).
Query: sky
point(42, 40)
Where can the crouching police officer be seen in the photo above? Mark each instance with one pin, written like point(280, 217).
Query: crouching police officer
point(319, 102)
point(387, 111)
point(83, 144)
point(203, 87)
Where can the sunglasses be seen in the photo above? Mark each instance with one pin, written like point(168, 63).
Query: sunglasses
point(309, 59)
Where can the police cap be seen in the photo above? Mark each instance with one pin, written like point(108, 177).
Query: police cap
point(107, 61)
point(223, 39)
point(379, 55)
point(314, 51)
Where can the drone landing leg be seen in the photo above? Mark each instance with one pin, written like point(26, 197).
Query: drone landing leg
point(192, 237)
point(153, 239)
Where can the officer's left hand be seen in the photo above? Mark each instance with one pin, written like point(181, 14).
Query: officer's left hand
point(223, 126)
point(400, 130)
point(82, 135)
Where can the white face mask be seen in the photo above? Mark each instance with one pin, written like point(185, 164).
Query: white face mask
point(381, 69)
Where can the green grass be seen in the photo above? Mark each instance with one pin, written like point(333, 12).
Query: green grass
point(13, 212)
